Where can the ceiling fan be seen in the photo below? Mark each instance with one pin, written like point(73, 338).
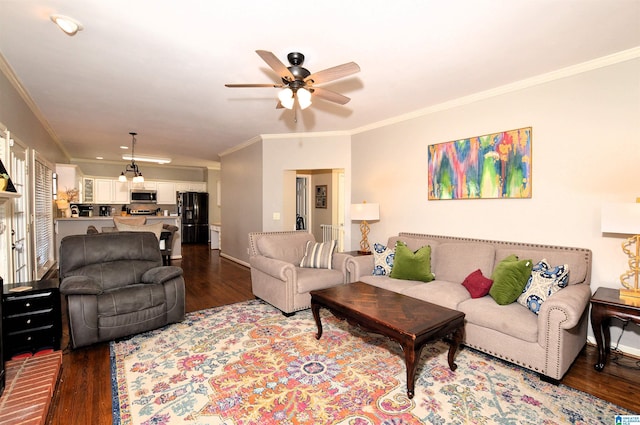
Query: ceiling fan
point(298, 83)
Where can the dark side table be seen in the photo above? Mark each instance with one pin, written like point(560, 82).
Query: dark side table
point(606, 304)
point(31, 316)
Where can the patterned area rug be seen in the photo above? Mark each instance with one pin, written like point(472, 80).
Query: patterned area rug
point(248, 364)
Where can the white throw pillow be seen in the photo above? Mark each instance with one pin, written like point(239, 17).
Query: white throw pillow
point(543, 282)
point(382, 259)
point(318, 255)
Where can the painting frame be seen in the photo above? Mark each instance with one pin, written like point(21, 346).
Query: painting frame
point(491, 166)
point(321, 196)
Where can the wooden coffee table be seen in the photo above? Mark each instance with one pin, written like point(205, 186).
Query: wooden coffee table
point(409, 321)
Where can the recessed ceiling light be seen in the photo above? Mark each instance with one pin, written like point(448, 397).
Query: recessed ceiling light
point(99, 157)
point(69, 25)
point(124, 147)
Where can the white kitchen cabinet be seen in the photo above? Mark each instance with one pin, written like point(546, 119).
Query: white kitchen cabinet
point(87, 190)
point(191, 187)
point(166, 193)
point(145, 185)
point(120, 192)
point(103, 191)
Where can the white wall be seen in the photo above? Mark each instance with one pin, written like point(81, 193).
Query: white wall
point(284, 153)
point(586, 151)
point(241, 203)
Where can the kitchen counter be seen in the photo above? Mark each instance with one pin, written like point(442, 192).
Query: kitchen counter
point(65, 226)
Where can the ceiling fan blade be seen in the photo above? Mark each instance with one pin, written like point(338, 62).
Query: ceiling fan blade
point(329, 95)
point(253, 85)
point(334, 73)
point(276, 64)
point(279, 105)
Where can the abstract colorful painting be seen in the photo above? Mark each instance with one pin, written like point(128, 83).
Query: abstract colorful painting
point(495, 165)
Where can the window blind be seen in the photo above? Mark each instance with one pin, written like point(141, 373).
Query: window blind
point(43, 218)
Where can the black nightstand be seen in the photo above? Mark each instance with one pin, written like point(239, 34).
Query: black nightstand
point(31, 317)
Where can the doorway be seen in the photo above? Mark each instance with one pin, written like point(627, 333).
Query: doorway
point(320, 204)
point(303, 216)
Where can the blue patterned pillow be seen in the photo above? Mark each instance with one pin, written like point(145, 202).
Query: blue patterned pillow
point(543, 282)
point(382, 260)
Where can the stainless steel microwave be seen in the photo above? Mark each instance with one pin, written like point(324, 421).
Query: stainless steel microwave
point(139, 196)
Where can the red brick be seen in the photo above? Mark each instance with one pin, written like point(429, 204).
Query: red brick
point(29, 387)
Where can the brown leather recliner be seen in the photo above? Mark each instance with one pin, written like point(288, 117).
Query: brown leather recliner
point(116, 285)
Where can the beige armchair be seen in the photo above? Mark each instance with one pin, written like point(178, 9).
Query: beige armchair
point(276, 275)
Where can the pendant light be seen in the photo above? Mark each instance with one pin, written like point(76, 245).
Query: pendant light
point(133, 167)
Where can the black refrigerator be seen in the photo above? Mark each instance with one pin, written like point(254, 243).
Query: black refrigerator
point(193, 208)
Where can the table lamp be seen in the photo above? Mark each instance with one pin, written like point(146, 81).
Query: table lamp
point(624, 218)
point(365, 212)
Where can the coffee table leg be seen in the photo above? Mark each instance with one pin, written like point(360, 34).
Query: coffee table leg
point(453, 347)
point(411, 357)
point(315, 309)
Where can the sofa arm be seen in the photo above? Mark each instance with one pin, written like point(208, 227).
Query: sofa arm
point(278, 269)
point(80, 285)
point(161, 274)
point(359, 266)
point(563, 310)
point(339, 263)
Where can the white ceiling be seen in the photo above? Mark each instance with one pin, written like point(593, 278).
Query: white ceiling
point(159, 67)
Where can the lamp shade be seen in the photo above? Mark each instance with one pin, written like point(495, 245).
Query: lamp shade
point(304, 98)
point(286, 98)
point(621, 218)
point(365, 211)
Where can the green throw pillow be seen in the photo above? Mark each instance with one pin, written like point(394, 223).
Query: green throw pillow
point(412, 265)
point(509, 279)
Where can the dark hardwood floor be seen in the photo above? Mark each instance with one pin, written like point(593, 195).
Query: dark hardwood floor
point(84, 393)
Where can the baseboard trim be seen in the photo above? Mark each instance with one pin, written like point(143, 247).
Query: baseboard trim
point(625, 349)
point(234, 259)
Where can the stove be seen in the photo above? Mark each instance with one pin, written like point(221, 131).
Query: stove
point(142, 210)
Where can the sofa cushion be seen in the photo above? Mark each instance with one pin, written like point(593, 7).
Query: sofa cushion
point(412, 265)
point(477, 285)
point(318, 255)
point(310, 279)
point(382, 259)
point(509, 278)
point(414, 243)
point(443, 293)
point(513, 319)
point(453, 261)
point(574, 259)
point(286, 247)
point(543, 282)
point(386, 282)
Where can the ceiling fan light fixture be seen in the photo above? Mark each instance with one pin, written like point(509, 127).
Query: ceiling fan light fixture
point(304, 98)
point(68, 25)
point(286, 98)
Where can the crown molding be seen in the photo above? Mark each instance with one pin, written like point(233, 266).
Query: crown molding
point(334, 133)
point(569, 71)
point(241, 146)
point(13, 79)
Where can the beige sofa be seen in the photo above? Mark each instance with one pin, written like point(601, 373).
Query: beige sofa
point(276, 275)
point(546, 343)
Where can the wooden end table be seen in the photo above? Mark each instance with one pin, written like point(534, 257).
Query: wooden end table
point(606, 304)
point(409, 321)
